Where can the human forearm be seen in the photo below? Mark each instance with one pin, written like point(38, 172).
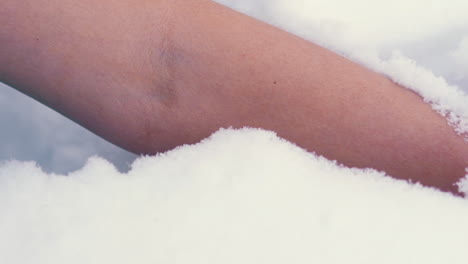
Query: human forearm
point(237, 71)
point(157, 76)
point(87, 59)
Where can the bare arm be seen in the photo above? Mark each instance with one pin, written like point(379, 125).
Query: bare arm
point(151, 75)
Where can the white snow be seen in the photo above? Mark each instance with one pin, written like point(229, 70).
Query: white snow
point(239, 197)
point(247, 196)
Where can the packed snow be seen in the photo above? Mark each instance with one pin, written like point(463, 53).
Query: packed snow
point(246, 196)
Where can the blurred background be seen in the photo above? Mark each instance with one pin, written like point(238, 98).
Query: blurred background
point(432, 33)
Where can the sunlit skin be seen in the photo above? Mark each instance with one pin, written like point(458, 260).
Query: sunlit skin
point(149, 75)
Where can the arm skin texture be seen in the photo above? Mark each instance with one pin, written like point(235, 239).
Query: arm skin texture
point(149, 75)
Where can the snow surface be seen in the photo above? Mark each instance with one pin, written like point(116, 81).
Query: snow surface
point(247, 196)
point(239, 197)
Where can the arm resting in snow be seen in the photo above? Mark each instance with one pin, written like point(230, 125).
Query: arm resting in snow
point(151, 75)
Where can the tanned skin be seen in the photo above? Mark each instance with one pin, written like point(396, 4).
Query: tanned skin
point(150, 75)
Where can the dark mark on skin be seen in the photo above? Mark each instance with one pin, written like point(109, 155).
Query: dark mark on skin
point(165, 91)
point(165, 61)
point(275, 82)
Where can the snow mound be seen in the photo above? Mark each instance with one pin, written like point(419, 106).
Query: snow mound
point(241, 196)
